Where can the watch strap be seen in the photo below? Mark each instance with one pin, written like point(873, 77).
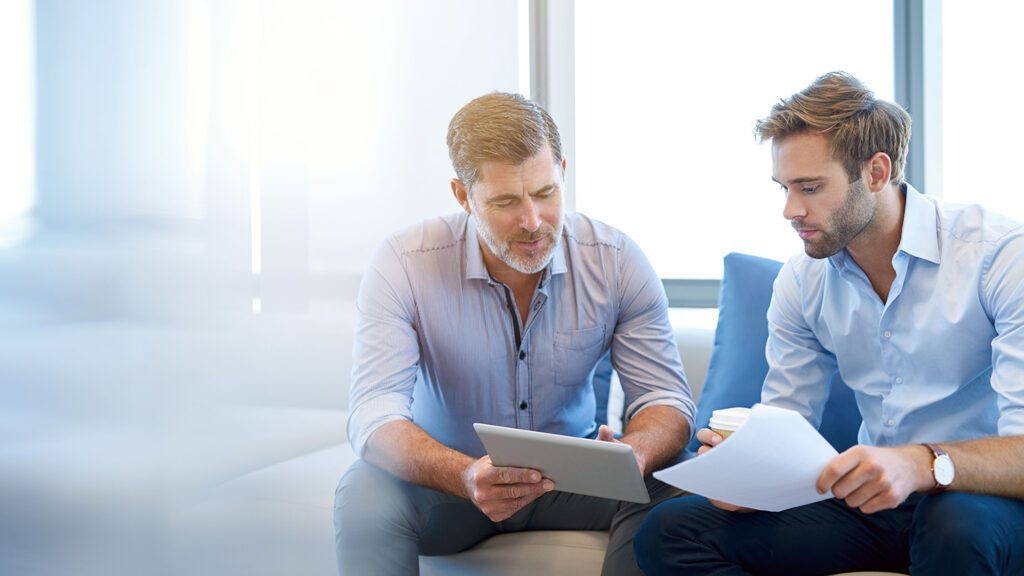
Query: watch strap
point(937, 451)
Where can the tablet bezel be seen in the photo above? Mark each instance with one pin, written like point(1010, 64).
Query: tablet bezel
point(577, 465)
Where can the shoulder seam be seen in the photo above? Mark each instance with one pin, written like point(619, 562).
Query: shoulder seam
point(595, 243)
point(454, 243)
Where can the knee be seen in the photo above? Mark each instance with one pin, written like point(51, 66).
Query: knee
point(668, 527)
point(953, 529)
point(659, 524)
point(368, 500)
point(949, 519)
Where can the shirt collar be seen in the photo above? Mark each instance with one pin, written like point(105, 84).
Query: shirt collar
point(919, 238)
point(920, 227)
point(476, 269)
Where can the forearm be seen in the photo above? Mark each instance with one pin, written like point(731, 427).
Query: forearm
point(657, 435)
point(408, 452)
point(993, 465)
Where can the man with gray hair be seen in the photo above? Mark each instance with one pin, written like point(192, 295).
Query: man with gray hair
point(499, 314)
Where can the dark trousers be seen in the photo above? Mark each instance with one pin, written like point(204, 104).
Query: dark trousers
point(951, 533)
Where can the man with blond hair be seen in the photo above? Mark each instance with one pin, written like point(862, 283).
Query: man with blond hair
point(499, 314)
point(919, 307)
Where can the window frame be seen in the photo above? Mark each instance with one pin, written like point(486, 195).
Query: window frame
point(918, 88)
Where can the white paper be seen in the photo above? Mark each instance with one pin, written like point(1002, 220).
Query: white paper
point(771, 463)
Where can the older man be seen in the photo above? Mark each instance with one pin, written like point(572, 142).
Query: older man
point(499, 314)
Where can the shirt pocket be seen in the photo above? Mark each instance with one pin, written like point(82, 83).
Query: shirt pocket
point(576, 354)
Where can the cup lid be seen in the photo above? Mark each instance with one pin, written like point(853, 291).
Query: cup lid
point(729, 418)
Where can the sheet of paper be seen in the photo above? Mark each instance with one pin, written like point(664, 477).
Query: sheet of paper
point(771, 463)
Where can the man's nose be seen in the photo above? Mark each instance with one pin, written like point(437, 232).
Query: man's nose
point(531, 216)
point(793, 209)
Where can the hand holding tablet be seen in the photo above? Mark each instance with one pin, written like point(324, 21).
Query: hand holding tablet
point(577, 465)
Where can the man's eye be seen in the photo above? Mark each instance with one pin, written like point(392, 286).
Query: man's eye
point(809, 189)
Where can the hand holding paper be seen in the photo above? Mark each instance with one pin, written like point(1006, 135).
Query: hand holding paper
point(771, 463)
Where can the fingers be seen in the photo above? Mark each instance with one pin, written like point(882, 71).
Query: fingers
point(501, 501)
point(500, 492)
point(874, 497)
point(838, 467)
point(708, 438)
point(869, 478)
point(509, 475)
point(864, 480)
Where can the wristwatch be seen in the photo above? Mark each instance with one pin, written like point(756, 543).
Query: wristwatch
point(942, 468)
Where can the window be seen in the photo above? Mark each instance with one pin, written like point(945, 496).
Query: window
point(981, 129)
point(17, 144)
point(666, 97)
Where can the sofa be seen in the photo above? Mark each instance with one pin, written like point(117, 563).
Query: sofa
point(214, 448)
point(285, 509)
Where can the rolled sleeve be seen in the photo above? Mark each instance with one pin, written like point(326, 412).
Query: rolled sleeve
point(644, 350)
point(385, 358)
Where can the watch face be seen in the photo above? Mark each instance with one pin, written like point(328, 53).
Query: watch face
point(944, 470)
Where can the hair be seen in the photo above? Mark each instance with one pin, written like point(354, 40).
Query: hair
point(499, 126)
point(842, 108)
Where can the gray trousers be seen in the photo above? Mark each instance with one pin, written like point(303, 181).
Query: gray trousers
point(383, 524)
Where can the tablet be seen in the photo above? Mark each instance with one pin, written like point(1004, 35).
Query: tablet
point(577, 465)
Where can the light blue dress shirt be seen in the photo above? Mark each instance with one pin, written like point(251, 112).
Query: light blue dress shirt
point(440, 343)
point(941, 360)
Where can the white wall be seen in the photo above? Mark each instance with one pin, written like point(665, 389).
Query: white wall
point(194, 157)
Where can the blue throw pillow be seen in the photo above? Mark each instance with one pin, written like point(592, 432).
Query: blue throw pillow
point(737, 368)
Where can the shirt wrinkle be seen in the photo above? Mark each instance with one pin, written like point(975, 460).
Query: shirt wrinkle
point(927, 366)
point(467, 372)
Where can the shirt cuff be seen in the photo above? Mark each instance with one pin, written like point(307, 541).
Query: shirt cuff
point(366, 418)
point(680, 402)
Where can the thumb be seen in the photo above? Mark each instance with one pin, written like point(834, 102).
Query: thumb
point(605, 434)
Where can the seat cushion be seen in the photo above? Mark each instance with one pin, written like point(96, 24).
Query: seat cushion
point(525, 554)
point(738, 366)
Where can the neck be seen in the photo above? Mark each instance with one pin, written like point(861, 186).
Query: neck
point(874, 248)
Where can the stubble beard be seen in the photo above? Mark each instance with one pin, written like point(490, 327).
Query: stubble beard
point(852, 217)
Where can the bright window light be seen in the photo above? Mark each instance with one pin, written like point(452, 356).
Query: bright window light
point(17, 117)
point(665, 112)
point(981, 87)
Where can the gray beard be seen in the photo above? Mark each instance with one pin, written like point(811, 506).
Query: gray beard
point(505, 254)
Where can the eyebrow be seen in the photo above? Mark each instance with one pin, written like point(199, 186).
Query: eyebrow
point(802, 179)
point(510, 195)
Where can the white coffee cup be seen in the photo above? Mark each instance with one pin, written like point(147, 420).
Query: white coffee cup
point(725, 422)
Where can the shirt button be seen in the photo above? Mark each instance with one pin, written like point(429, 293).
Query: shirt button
point(522, 355)
point(890, 422)
point(899, 380)
point(522, 405)
point(536, 306)
point(887, 334)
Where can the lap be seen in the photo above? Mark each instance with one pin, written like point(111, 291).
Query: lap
point(445, 524)
point(369, 499)
point(825, 537)
point(957, 532)
point(935, 532)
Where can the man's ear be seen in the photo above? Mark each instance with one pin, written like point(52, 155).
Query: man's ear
point(461, 195)
point(879, 170)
